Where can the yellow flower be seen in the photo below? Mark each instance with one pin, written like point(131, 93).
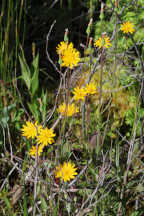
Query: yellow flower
point(79, 94)
point(103, 42)
point(90, 88)
point(127, 27)
point(70, 57)
point(66, 172)
point(68, 110)
point(33, 150)
point(45, 136)
point(30, 130)
point(61, 47)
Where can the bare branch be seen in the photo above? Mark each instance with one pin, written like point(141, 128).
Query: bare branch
point(47, 40)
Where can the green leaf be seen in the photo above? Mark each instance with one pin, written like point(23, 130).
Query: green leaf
point(35, 80)
point(139, 35)
point(60, 61)
point(26, 76)
point(66, 39)
point(43, 105)
point(101, 16)
point(34, 108)
point(88, 30)
point(7, 202)
point(44, 205)
point(141, 15)
point(5, 114)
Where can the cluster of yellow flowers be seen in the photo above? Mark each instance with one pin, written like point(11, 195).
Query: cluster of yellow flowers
point(79, 94)
point(44, 136)
point(69, 56)
point(104, 41)
point(66, 172)
point(67, 109)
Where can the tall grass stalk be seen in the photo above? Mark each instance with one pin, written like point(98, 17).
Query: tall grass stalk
point(11, 34)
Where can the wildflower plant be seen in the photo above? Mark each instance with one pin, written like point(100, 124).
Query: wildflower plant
point(69, 56)
point(91, 88)
point(44, 136)
point(103, 42)
point(30, 129)
point(33, 151)
point(79, 93)
point(127, 27)
point(66, 171)
point(110, 110)
point(67, 109)
point(60, 49)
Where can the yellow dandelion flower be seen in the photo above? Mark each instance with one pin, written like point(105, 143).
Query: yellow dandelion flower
point(127, 27)
point(67, 110)
point(30, 130)
point(103, 42)
point(33, 150)
point(45, 136)
point(66, 172)
point(61, 47)
point(79, 93)
point(90, 88)
point(70, 57)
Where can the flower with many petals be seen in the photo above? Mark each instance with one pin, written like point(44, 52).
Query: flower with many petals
point(90, 88)
point(67, 109)
point(79, 93)
point(33, 150)
point(127, 27)
point(103, 42)
point(66, 172)
point(30, 130)
point(45, 136)
point(69, 56)
point(61, 47)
